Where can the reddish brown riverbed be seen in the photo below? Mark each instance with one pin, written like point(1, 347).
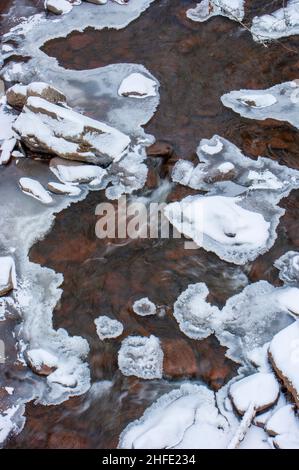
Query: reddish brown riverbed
point(195, 64)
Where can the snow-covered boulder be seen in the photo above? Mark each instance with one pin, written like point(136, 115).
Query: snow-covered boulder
point(206, 9)
point(284, 356)
point(141, 356)
point(74, 172)
point(283, 421)
point(137, 85)
point(144, 307)
point(34, 189)
point(56, 130)
point(8, 279)
point(108, 328)
point(17, 94)
point(59, 7)
point(6, 150)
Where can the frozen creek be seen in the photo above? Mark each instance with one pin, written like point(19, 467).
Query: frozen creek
point(236, 278)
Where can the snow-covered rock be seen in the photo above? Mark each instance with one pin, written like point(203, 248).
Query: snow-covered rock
point(137, 85)
point(34, 189)
point(108, 328)
point(7, 147)
point(193, 313)
point(59, 7)
point(144, 307)
point(74, 172)
point(41, 361)
point(284, 356)
point(278, 102)
point(53, 129)
point(17, 94)
point(8, 280)
point(281, 23)
point(219, 224)
point(260, 390)
point(141, 356)
point(206, 9)
point(60, 188)
point(283, 421)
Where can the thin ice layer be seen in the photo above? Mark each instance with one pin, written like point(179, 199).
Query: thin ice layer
point(206, 9)
point(279, 102)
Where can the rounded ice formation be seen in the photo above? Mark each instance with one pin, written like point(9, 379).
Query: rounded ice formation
point(144, 307)
point(108, 328)
point(137, 85)
point(142, 357)
point(258, 101)
point(288, 266)
point(193, 313)
point(212, 149)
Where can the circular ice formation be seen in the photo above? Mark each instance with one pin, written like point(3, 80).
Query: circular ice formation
point(108, 328)
point(142, 357)
point(193, 313)
point(144, 307)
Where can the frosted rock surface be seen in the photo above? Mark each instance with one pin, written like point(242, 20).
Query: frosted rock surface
point(141, 356)
point(144, 307)
point(206, 9)
point(108, 328)
point(279, 102)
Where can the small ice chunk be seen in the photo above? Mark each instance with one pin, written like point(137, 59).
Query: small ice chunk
point(9, 390)
point(34, 189)
point(258, 101)
point(144, 307)
point(8, 280)
point(206, 9)
point(137, 85)
point(108, 328)
point(288, 266)
point(284, 356)
point(141, 356)
point(260, 390)
point(193, 313)
point(60, 188)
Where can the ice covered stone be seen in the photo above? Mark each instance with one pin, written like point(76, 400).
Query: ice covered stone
point(283, 421)
point(46, 127)
point(184, 418)
point(60, 188)
point(222, 225)
point(8, 280)
point(246, 188)
point(281, 23)
point(193, 313)
point(74, 172)
point(59, 7)
point(108, 328)
point(206, 9)
point(7, 147)
point(141, 356)
point(260, 390)
point(144, 307)
point(41, 361)
point(288, 266)
point(278, 102)
point(284, 356)
point(137, 85)
point(17, 95)
point(34, 189)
